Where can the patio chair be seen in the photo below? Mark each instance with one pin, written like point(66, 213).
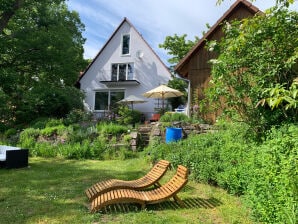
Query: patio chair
point(155, 117)
point(150, 179)
point(143, 198)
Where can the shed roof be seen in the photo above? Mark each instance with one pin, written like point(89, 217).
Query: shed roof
point(224, 17)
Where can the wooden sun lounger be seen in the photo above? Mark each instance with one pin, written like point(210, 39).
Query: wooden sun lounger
point(157, 195)
point(151, 178)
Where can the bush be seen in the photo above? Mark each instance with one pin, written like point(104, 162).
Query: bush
point(265, 172)
point(10, 132)
point(52, 130)
point(212, 157)
point(39, 123)
point(77, 116)
point(75, 142)
point(171, 117)
point(28, 138)
point(128, 116)
point(78, 134)
point(272, 191)
point(111, 128)
point(54, 122)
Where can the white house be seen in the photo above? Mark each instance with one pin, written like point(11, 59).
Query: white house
point(126, 65)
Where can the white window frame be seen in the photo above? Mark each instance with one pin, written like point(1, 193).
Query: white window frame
point(122, 44)
point(109, 97)
point(128, 76)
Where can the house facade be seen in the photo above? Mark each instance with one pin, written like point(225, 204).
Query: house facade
point(195, 65)
point(126, 65)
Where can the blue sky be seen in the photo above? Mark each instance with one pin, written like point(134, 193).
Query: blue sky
point(154, 19)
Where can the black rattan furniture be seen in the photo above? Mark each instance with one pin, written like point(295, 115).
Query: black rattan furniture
point(13, 157)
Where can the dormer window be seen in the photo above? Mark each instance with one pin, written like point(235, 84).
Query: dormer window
point(125, 44)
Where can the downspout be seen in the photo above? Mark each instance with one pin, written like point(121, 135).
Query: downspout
point(188, 95)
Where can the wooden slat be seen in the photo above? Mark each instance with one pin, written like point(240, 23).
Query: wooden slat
point(166, 191)
point(148, 180)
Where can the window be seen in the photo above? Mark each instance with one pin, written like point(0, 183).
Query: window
point(125, 44)
point(104, 100)
point(122, 72)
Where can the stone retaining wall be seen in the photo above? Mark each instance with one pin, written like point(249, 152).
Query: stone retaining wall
point(142, 136)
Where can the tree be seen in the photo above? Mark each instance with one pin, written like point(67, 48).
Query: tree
point(41, 48)
point(180, 85)
point(177, 46)
point(281, 97)
point(256, 54)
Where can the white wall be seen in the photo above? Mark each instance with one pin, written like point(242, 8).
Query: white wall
point(148, 69)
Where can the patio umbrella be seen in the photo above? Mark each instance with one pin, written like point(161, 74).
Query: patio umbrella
point(132, 100)
point(162, 92)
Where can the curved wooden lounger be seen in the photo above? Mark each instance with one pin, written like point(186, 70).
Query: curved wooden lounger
point(157, 195)
point(151, 178)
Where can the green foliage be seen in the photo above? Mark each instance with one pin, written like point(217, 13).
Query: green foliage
point(213, 157)
point(128, 116)
point(273, 191)
point(52, 130)
point(54, 122)
point(256, 54)
point(76, 116)
point(180, 85)
point(10, 132)
point(73, 143)
point(280, 97)
point(172, 117)
point(177, 46)
point(39, 123)
point(28, 138)
point(78, 134)
point(4, 110)
point(264, 172)
point(49, 102)
point(41, 53)
point(111, 128)
point(78, 142)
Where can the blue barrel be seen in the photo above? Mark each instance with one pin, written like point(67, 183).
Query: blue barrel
point(173, 134)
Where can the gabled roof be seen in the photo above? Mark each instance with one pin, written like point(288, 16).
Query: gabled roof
point(106, 44)
point(226, 15)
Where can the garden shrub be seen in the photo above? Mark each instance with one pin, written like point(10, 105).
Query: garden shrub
point(77, 150)
point(215, 158)
point(99, 146)
point(52, 130)
point(273, 189)
point(39, 123)
point(79, 134)
point(8, 133)
point(54, 122)
point(73, 142)
point(28, 138)
point(172, 117)
point(128, 116)
point(264, 172)
point(111, 128)
point(44, 149)
point(77, 116)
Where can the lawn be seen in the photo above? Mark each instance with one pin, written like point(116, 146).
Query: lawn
point(52, 191)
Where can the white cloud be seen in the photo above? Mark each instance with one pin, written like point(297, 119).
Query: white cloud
point(154, 19)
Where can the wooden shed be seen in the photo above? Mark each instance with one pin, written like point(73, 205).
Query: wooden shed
point(195, 65)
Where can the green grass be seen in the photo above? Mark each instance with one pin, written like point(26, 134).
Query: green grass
point(52, 191)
